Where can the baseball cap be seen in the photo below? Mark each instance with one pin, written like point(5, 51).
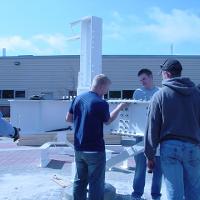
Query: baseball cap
point(171, 65)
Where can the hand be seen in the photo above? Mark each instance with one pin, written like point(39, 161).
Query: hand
point(150, 165)
point(121, 106)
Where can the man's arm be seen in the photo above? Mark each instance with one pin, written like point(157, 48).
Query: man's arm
point(115, 112)
point(152, 133)
point(69, 117)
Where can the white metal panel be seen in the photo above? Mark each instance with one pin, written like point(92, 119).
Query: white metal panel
point(131, 121)
point(36, 116)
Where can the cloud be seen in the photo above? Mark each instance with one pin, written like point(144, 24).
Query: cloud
point(154, 30)
point(14, 42)
point(176, 26)
point(40, 44)
point(57, 41)
point(116, 28)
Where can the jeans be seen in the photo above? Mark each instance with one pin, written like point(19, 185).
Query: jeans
point(6, 129)
point(90, 170)
point(180, 163)
point(140, 175)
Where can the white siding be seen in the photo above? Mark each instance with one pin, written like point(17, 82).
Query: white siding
point(123, 69)
point(58, 74)
point(55, 74)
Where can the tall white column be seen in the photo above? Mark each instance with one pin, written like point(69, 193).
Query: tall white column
point(91, 52)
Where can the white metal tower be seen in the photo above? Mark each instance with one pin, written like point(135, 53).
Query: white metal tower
point(91, 51)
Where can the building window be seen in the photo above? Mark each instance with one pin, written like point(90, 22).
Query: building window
point(5, 110)
point(20, 94)
point(115, 95)
point(8, 94)
point(106, 96)
point(0, 94)
point(72, 93)
point(127, 94)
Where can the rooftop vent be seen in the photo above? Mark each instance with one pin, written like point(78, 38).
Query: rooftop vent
point(4, 52)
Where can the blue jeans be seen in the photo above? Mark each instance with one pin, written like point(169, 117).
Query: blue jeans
point(6, 129)
point(180, 163)
point(90, 170)
point(140, 175)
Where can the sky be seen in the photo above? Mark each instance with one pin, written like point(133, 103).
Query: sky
point(130, 27)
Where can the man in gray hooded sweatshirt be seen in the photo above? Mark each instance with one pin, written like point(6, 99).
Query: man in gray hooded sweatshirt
point(198, 86)
point(174, 123)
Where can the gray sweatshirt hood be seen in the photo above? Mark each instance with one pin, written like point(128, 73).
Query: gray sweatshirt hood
point(181, 85)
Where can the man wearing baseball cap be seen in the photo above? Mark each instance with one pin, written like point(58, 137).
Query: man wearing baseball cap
point(174, 123)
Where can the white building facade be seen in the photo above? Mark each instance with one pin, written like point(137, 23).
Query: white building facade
point(56, 76)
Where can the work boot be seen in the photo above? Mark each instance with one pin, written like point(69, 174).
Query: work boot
point(16, 134)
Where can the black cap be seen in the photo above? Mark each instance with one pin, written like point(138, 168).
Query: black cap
point(171, 65)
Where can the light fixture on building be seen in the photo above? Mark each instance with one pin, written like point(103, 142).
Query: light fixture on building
point(17, 63)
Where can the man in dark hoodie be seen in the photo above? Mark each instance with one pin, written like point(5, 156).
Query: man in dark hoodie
point(174, 123)
point(198, 86)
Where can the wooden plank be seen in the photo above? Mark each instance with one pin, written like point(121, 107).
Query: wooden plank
point(61, 182)
point(37, 139)
point(40, 139)
point(109, 139)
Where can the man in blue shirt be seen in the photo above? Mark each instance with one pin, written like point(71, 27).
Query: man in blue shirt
point(88, 112)
point(144, 94)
